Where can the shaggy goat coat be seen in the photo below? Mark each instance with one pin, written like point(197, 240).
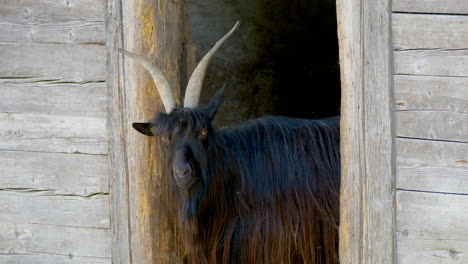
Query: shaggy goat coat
point(266, 191)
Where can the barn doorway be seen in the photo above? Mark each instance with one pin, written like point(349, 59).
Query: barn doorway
point(283, 60)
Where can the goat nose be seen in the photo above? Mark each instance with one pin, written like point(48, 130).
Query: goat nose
point(183, 171)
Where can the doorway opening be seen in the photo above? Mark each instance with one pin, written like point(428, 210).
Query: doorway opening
point(283, 59)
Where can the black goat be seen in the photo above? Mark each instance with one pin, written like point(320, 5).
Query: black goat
point(264, 191)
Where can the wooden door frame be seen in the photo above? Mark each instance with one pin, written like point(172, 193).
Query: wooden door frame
point(367, 228)
point(118, 172)
point(157, 30)
point(367, 224)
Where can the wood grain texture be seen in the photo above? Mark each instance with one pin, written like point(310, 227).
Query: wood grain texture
point(76, 32)
point(116, 125)
point(29, 11)
point(45, 207)
point(431, 228)
point(431, 6)
point(154, 29)
point(87, 243)
point(431, 93)
point(428, 124)
point(50, 259)
point(435, 166)
point(351, 44)
point(412, 31)
point(432, 62)
point(39, 96)
point(367, 226)
point(34, 132)
point(378, 189)
point(60, 173)
point(64, 62)
point(55, 206)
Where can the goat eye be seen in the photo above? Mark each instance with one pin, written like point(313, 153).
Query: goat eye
point(202, 133)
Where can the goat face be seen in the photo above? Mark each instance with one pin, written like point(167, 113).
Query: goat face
point(185, 134)
point(185, 129)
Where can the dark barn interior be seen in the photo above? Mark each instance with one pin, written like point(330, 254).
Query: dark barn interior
point(283, 60)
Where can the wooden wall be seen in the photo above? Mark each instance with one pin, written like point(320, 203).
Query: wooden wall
point(54, 180)
point(430, 41)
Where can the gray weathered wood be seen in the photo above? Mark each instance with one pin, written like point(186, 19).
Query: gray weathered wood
point(77, 32)
point(33, 132)
point(34, 95)
point(413, 249)
point(432, 62)
point(378, 184)
point(435, 166)
point(412, 31)
point(350, 42)
point(44, 207)
point(431, 93)
point(53, 99)
point(431, 228)
point(427, 124)
point(71, 242)
point(367, 226)
point(431, 6)
point(61, 173)
point(50, 259)
point(28, 11)
point(117, 125)
point(65, 62)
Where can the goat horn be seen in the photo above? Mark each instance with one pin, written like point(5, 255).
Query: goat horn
point(192, 93)
point(159, 80)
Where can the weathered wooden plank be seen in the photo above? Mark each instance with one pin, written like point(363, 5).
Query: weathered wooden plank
point(431, 228)
point(70, 242)
point(118, 164)
point(44, 207)
point(413, 249)
point(431, 93)
point(432, 165)
point(378, 182)
point(412, 31)
point(153, 28)
point(350, 42)
point(76, 32)
point(432, 62)
point(440, 125)
point(367, 212)
point(31, 132)
point(27, 11)
point(34, 95)
point(431, 6)
point(66, 62)
point(61, 173)
point(50, 259)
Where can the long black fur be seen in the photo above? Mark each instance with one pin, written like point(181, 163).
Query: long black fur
point(264, 191)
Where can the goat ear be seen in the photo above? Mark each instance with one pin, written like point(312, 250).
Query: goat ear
point(144, 128)
point(215, 103)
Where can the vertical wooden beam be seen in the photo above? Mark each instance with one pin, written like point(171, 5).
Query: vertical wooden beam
point(154, 28)
point(121, 250)
point(367, 228)
point(379, 186)
point(351, 129)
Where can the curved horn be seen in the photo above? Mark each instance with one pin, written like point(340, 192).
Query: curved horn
point(159, 80)
point(192, 93)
